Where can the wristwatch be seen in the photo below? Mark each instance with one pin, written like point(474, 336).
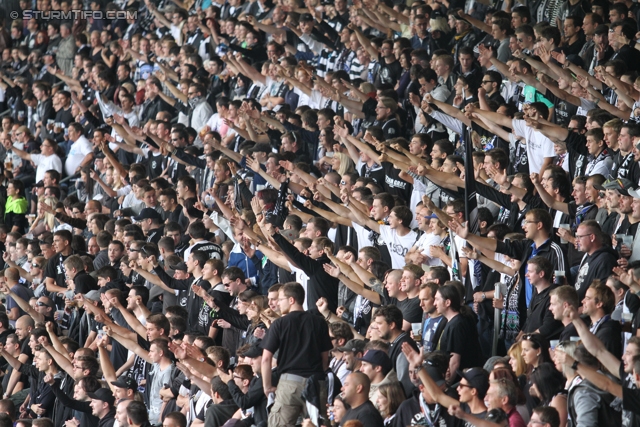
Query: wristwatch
point(575, 365)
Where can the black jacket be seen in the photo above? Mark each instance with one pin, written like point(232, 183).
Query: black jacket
point(87, 419)
point(523, 250)
point(540, 318)
point(320, 283)
point(254, 398)
point(598, 265)
point(610, 333)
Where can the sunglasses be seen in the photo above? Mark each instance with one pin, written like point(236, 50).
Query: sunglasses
point(42, 304)
point(35, 266)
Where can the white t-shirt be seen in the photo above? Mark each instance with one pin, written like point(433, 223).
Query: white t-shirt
point(77, 153)
point(424, 243)
point(538, 145)
point(303, 279)
point(398, 245)
point(363, 235)
point(44, 163)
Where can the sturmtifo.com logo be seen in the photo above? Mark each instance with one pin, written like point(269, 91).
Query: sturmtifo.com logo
point(72, 15)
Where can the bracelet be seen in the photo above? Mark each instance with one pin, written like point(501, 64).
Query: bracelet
point(328, 316)
point(509, 187)
point(417, 369)
point(484, 297)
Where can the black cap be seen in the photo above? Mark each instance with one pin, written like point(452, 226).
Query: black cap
point(601, 29)
point(103, 394)
point(306, 17)
point(181, 266)
point(148, 213)
point(125, 382)
point(354, 345)
point(253, 351)
point(50, 53)
point(39, 184)
point(377, 358)
point(477, 378)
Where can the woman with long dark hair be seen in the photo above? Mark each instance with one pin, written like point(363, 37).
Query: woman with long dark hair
point(547, 384)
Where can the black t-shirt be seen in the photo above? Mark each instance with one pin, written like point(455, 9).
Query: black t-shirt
point(366, 413)
point(631, 400)
point(154, 164)
point(388, 73)
point(301, 338)
point(84, 283)
point(395, 185)
point(563, 110)
point(56, 271)
point(629, 418)
point(214, 250)
point(411, 310)
point(461, 336)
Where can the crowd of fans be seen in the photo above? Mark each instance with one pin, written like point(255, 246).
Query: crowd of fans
point(350, 212)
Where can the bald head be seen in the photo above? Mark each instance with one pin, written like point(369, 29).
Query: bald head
point(121, 412)
point(360, 379)
point(24, 325)
point(12, 275)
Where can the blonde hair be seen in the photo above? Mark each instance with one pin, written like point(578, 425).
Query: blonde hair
point(49, 218)
point(346, 164)
point(439, 24)
point(515, 351)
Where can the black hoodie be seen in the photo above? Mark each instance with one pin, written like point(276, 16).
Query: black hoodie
point(598, 265)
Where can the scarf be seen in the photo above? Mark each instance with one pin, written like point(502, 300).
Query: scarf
point(17, 206)
point(594, 160)
point(431, 417)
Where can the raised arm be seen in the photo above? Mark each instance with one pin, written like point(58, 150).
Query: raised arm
point(24, 305)
point(415, 363)
point(547, 198)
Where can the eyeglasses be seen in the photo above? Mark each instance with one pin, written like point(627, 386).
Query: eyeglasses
point(584, 235)
point(464, 385)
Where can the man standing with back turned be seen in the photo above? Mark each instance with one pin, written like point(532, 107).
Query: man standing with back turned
point(302, 339)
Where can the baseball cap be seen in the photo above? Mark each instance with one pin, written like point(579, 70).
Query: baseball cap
point(39, 184)
point(621, 185)
point(148, 213)
point(477, 378)
point(601, 29)
point(50, 53)
point(306, 17)
point(103, 394)
point(125, 382)
point(253, 351)
point(180, 266)
point(377, 358)
point(93, 295)
point(434, 373)
point(354, 345)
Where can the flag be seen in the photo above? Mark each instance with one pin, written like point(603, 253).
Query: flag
point(474, 269)
point(455, 261)
point(470, 200)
